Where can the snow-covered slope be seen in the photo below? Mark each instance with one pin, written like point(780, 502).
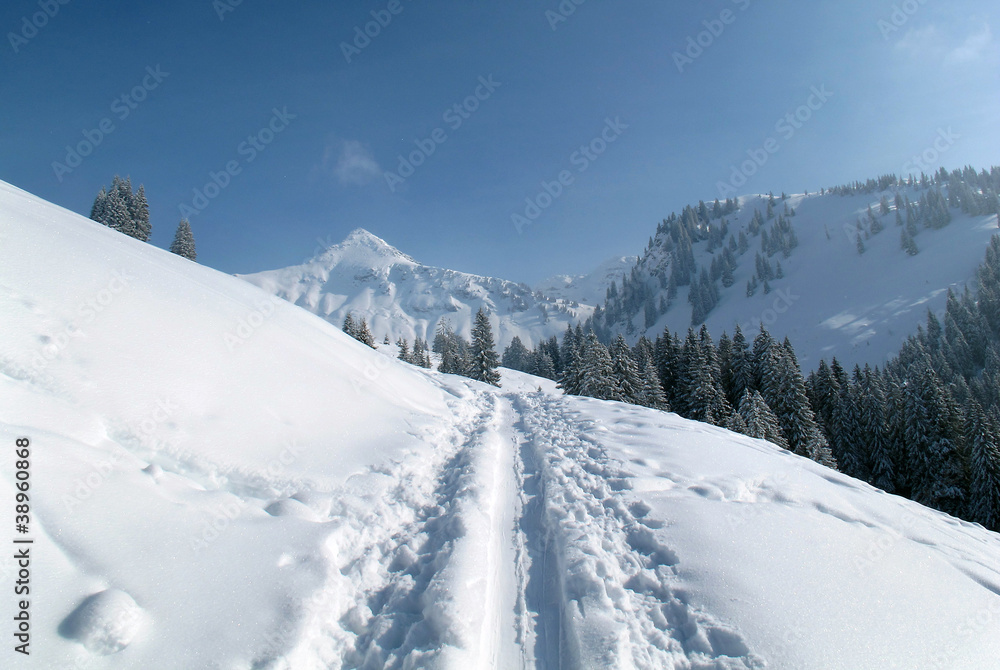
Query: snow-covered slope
point(590, 288)
point(402, 298)
point(832, 301)
point(221, 480)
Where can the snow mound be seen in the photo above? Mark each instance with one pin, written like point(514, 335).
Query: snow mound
point(104, 623)
point(293, 508)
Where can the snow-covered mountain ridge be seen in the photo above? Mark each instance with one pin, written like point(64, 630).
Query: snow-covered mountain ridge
point(298, 501)
point(590, 288)
point(399, 297)
point(829, 299)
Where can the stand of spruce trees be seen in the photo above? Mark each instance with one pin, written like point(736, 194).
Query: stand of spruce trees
point(927, 426)
point(757, 391)
point(122, 209)
point(669, 261)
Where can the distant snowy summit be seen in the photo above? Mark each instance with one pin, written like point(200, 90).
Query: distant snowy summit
point(362, 247)
point(590, 288)
point(399, 297)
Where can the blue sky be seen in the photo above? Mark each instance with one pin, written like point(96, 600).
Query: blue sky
point(266, 90)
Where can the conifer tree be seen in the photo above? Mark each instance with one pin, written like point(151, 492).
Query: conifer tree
point(124, 190)
point(846, 433)
point(650, 389)
point(596, 376)
point(760, 421)
point(364, 335)
point(139, 213)
point(349, 327)
point(183, 244)
point(516, 356)
point(541, 364)
point(934, 463)
point(121, 209)
point(97, 211)
point(569, 378)
point(116, 212)
point(625, 372)
point(484, 363)
point(452, 361)
point(421, 355)
point(907, 243)
point(740, 377)
point(984, 455)
point(880, 469)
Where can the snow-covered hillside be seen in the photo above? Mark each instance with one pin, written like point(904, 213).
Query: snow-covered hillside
point(399, 297)
point(590, 288)
point(831, 300)
point(220, 479)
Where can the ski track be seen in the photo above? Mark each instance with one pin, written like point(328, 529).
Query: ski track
point(621, 603)
point(418, 579)
point(516, 546)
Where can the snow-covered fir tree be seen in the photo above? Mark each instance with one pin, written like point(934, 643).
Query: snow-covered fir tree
point(183, 244)
point(122, 209)
point(484, 363)
point(759, 420)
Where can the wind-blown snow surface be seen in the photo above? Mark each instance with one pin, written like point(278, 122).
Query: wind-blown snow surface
point(590, 288)
point(276, 495)
point(399, 297)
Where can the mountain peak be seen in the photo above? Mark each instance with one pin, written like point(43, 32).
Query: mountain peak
point(362, 236)
point(364, 248)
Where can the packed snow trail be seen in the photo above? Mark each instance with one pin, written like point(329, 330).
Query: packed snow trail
point(513, 549)
point(607, 587)
point(425, 578)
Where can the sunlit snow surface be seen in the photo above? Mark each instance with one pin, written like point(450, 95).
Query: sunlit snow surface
point(832, 300)
point(215, 489)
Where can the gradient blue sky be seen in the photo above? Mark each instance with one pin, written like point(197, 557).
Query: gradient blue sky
point(322, 176)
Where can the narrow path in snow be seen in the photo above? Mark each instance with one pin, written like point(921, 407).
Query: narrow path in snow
point(516, 548)
point(539, 599)
point(601, 587)
point(385, 603)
